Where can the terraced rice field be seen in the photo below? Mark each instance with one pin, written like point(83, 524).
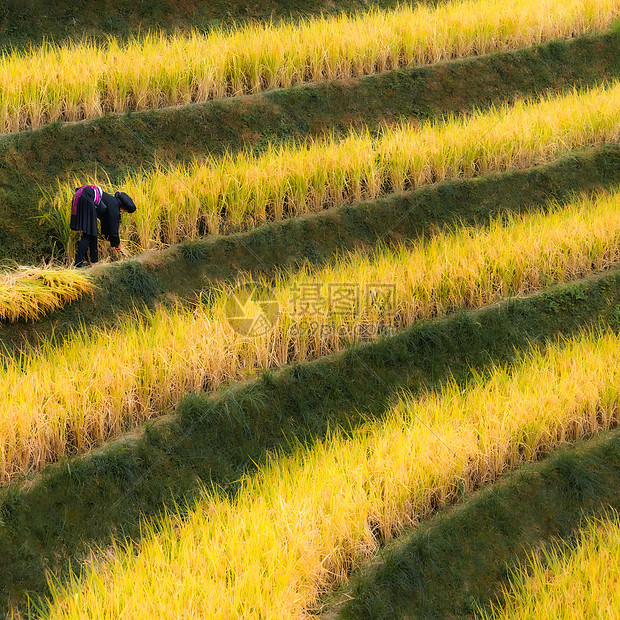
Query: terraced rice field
point(86, 80)
point(301, 477)
point(237, 191)
point(80, 397)
point(289, 536)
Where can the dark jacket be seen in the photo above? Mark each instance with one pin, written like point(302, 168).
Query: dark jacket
point(110, 218)
point(85, 218)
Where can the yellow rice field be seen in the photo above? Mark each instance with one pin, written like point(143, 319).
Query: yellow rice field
point(302, 522)
point(85, 80)
point(309, 516)
point(237, 191)
point(580, 583)
point(28, 293)
point(66, 399)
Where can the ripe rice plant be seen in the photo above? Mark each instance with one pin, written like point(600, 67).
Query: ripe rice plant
point(569, 583)
point(27, 294)
point(85, 80)
point(296, 528)
point(238, 191)
point(66, 399)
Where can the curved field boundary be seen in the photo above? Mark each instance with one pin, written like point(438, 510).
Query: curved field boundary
point(53, 519)
point(86, 80)
point(461, 560)
point(35, 160)
point(196, 266)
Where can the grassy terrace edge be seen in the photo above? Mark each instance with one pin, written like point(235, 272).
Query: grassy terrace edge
point(460, 559)
point(195, 266)
point(31, 22)
point(48, 521)
point(34, 160)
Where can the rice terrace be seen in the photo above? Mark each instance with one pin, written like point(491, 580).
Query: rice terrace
point(310, 309)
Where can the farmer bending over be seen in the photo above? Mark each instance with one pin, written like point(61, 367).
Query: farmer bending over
point(90, 203)
point(110, 217)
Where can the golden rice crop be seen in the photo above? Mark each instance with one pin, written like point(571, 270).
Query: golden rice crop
point(58, 400)
point(236, 191)
point(297, 527)
point(28, 294)
point(86, 80)
point(563, 583)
